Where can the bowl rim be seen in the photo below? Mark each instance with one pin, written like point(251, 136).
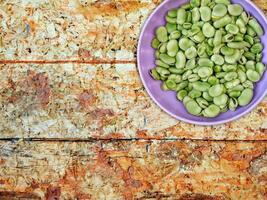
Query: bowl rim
point(203, 123)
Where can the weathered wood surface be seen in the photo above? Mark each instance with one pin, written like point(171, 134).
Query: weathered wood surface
point(98, 101)
point(182, 170)
point(69, 86)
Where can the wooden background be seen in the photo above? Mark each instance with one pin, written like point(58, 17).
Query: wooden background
point(76, 122)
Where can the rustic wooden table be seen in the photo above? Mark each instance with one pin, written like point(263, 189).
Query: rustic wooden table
point(76, 122)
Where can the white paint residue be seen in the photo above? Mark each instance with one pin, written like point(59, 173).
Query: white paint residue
point(124, 68)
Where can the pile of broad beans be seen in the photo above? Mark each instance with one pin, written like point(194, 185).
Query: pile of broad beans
point(210, 53)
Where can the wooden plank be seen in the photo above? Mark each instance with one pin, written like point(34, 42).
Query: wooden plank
point(184, 170)
point(82, 101)
point(73, 29)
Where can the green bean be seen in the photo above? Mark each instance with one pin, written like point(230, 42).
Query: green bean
point(258, 57)
point(181, 94)
point(260, 68)
point(205, 2)
point(187, 25)
point(180, 60)
point(203, 103)
point(170, 84)
point(185, 32)
point(241, 25)
point(217, 38)
point(157, 53)
point(186, 74)
point(225, 2)
point(242, 75)
point(251, 65)
point(227, 51)
point(249, 55)
point(164, 86)
point(155, 74)
point(213, 80)
point(205, 62)
point(186, 99)
point(217, 68)
point(257, 40)
point(256, 48)
point(194, 94)
point(220, 23)
point(191, 53)
point(172, 48)
point(233, 58)
point(186, 6)
point(185, 43)
point(217, 59)
point(172, 13)
point(189, 17)
point(162, 34)
point(193, 78)
point(199, 37)
point(175, 35)
point(230, 76)
point(171, 20)
point(195, 3)
point(237, 88)
point(208, 30)
point(155, 43)
point(171, 27)
point(162, 48)
point(162, 71)
point(175, 77)
point(206, 96)
point(248, 84)
point(228, 38)
point(244, 16)
point(201, 86)
point(249, 39)
point(221, 75)
point(205, 72)
point(233, 104)
point(205, 13)
point(234, 94)
point(195, 15)
point(245, 97)
point(231, 28)
point(235, 9)
point(212, 111)
point(256, 27)
point(167, 59)
point(220, 100)
point(242, 60)
point(219, 10)
point(251, 32)
point(238, 45)
point(253, 75)
point(161, 64)
point(193, 108)
point(194, 30)
point(181, 86)
point(181, 16)
point(175, 70)
point(190, 64)
point(216, 90)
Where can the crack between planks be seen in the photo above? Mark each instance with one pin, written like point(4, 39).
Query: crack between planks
point(95, 61)
point(92, 140)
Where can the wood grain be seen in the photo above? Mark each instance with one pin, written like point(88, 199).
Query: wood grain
point(141, 169)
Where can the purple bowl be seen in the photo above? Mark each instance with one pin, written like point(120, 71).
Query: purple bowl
point(166, 100)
